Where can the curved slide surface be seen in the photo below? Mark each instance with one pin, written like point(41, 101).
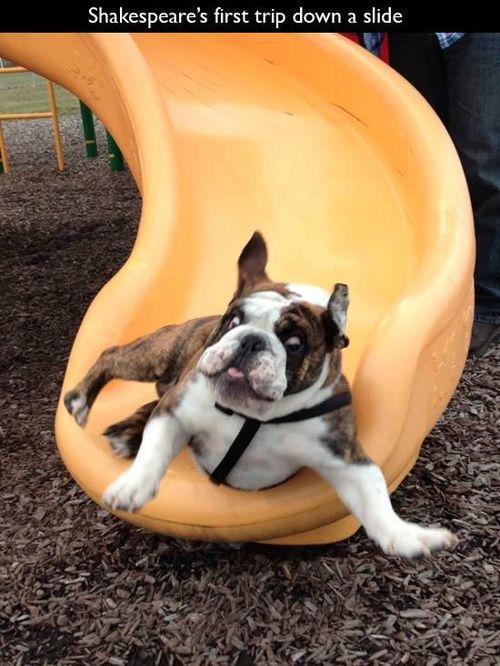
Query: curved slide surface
point(351, 178)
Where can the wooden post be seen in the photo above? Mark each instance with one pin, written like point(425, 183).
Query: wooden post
point(4, 160)
point(55, 125)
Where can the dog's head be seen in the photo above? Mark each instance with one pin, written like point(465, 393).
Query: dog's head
point(275, 339)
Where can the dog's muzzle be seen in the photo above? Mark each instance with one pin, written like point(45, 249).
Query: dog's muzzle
point(250, 345)
point(244, 368)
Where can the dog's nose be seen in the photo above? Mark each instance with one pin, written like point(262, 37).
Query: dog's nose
point(252, 343)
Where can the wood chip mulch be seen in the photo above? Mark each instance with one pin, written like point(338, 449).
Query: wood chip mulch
point(77, 586)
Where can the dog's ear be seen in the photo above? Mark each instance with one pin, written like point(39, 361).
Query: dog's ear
point(335, 317)
point(252, 264)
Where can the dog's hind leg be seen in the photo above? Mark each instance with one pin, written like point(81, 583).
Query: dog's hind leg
point(361, 487)
point(125, 436)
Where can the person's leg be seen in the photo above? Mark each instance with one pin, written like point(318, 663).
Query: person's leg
point(473, 75)
point(418, 57)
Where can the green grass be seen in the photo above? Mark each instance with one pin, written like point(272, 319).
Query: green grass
point(26, 92)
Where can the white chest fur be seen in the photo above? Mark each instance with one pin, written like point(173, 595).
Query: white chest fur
point(276, 452)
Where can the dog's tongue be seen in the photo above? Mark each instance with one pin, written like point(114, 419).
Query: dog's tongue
point(234, 373)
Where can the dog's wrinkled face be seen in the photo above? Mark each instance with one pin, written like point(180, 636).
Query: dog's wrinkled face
point(274, 339)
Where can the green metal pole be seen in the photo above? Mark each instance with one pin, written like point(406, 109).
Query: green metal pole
point(114, 154)
point(88, 130)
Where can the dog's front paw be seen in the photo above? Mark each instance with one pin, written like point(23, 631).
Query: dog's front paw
point(129, 492)
point(411, 540)
point(77, 406)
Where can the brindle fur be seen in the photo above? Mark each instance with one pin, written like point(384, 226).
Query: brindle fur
point(125, 436)
point(304, 370)
point(342, 439)
point(159, 357)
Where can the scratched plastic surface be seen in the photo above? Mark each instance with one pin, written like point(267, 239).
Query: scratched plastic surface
point(351, 178)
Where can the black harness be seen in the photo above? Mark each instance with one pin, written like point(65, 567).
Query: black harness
point(250, 427)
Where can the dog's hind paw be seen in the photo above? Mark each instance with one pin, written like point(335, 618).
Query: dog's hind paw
point(124, 440)
point(411, 540)
point(77, 406)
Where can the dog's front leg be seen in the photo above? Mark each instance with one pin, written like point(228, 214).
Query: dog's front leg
point(362, 488)
point(131, 362)
point(163, 438)
point(158, 357)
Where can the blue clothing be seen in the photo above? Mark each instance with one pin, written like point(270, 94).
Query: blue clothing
point(373, 40)
point(447, 39)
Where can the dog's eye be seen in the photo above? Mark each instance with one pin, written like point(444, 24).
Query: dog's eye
point(235, 321)
point(294, 343)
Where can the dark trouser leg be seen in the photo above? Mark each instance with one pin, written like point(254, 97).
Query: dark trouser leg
point(473, 74)
point(462, 83)
point(418, 57)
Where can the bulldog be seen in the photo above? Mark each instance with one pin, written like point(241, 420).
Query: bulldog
point(256, 395)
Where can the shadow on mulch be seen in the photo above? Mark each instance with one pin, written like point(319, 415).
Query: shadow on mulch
point(78, 586)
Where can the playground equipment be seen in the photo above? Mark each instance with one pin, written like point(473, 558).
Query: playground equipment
point(115, 157)
point(52, 114)
point(350, 176)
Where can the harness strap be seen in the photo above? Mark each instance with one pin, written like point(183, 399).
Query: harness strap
point(251, 426)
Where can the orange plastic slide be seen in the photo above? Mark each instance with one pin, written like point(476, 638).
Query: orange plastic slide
point(351, 178)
